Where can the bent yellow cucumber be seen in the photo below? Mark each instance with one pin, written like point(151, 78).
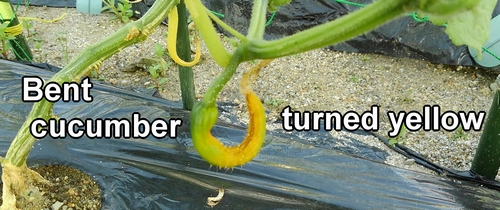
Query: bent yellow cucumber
point(216, 153)
point(205, 115)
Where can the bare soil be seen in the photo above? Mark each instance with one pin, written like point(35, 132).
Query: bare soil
point(70, 189)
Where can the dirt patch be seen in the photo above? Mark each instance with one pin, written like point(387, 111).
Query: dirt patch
point(70, 189)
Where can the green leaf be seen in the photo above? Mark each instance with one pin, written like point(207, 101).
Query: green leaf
point(274, 5)
point(164, 64)
point(445, 7)
point(127, 6)
point(465, 27)
point(159, 50)
point(93, 74)
point(153, 71)
point(393, 142)
point(129, 13)
point(4, 26)
point(105, 8)
point(162, 80)
point(121, 8)
point(38, 45)
point(125, 19)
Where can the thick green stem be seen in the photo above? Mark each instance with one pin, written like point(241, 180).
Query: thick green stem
point(258, 20)
point(486, 162)
point(184, 52)
point(221, 80)
point(255, 33)
point(342, 29)
point(91, 57)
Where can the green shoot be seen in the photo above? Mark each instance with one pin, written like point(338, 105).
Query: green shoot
point(123, 11)
point(27, 3)
point(62, 37)
point(400, 139)
point(274, 102)
point(158, 81)
point(27, 24)
point(459, 134)
point(95, 74)
point(38, 48)
point(354, 79)
point(365, 58)
point(159, 68)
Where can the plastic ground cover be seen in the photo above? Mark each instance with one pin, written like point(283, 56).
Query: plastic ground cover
point(291, 172)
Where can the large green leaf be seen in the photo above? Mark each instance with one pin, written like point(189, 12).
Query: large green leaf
point(468, 25)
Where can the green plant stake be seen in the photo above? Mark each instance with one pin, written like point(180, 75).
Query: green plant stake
point(15, 28)
point(184, 50)
point(486, 162)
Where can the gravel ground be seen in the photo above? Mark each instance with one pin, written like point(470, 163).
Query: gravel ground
point(318, 80)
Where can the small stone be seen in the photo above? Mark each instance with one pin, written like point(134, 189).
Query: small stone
point(493, 86)
point(113, 81)
point(147, 83)
point(56, 206)
point(409, 161)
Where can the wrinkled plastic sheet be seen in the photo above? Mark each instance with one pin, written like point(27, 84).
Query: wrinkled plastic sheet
point(291, 172)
